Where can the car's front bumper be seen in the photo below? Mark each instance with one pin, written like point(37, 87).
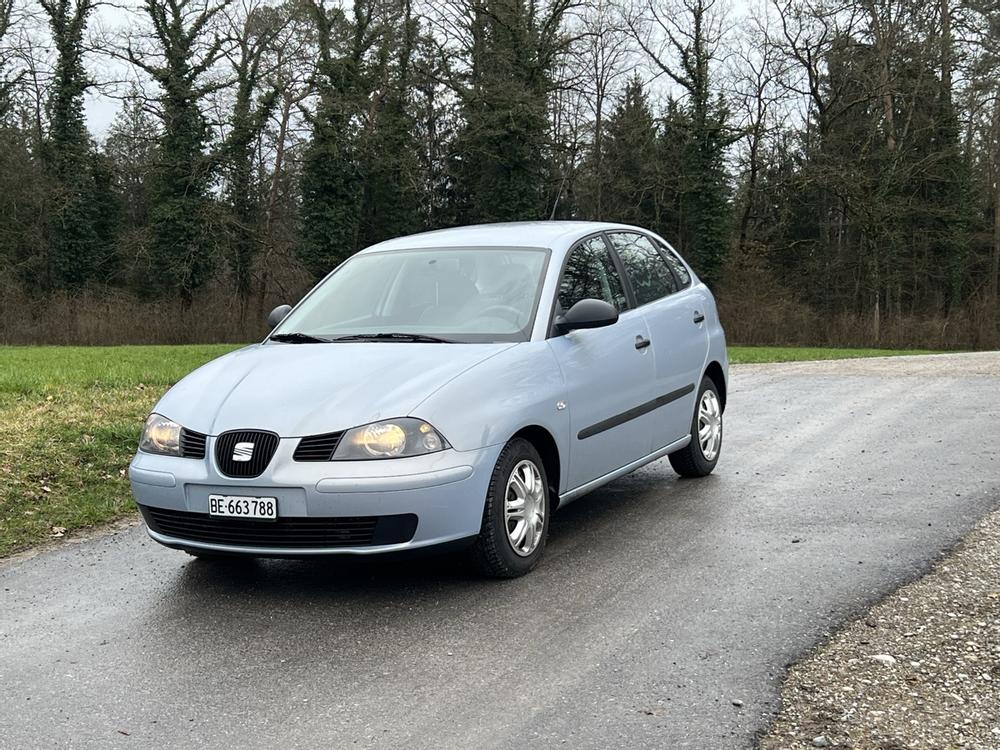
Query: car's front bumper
point(445, 491)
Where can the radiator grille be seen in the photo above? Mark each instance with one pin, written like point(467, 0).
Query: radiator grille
point(317, 447)
point(286, 532)
point(192, 444)
point(264, 444)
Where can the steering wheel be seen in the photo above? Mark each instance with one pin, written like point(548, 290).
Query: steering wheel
point(503, 311)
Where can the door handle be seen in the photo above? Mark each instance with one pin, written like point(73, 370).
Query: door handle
point(699, 317)
point(641, 342)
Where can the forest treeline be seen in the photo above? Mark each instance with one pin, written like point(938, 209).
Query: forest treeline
point(829, 167)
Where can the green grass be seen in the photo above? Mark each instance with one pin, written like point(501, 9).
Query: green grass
point(27, 370)
point(742, 355)
point(70, 419)
point(69, 422)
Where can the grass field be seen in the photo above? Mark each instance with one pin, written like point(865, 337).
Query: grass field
point(746, 355)
point(70, 418)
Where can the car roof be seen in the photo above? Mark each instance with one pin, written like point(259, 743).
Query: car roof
point(548, 234)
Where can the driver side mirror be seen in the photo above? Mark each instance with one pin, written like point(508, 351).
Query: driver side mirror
point(277, 315)
point(587, 313)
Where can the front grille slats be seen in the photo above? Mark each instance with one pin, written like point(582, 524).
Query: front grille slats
point(263, 445)
point(283, 533)
point(192, 444)
point(231, 525)
point(317, 447)
point(327, 540)
point(361, 533)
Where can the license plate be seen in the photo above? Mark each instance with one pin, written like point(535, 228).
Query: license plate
point(239, 506)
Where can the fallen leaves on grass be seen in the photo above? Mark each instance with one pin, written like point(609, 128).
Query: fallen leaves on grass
point(63, 462)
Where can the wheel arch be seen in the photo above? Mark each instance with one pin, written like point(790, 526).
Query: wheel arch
point(548, 450)
point(715, 372)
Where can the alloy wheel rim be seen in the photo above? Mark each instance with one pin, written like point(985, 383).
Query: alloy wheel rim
point(524, 508)
point(709, 425)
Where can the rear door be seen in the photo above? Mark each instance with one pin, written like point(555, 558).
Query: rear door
point(607, 370)
point(678, 334)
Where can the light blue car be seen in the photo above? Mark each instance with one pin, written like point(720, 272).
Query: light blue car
point(448, 388)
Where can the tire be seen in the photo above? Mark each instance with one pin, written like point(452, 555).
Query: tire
point(493, 552)
point(691, 460)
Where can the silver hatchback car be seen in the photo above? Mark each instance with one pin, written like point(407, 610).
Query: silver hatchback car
point(449, 388)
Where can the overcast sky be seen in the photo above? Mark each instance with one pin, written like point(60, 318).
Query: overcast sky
point(100, 108)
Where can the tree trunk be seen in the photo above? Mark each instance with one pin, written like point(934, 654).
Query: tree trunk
point(994, 280)
point(751, 189)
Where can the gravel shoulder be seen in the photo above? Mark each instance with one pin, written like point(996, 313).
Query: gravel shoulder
point(920, 670)
point(968, 364)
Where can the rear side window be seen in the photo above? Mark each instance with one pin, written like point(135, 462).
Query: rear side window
point(679, 269)
point(651, 278)
point(590, 274)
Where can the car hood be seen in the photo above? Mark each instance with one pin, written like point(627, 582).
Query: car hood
point(308, 389)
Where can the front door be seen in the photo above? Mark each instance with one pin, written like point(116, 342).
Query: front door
point(607, 370)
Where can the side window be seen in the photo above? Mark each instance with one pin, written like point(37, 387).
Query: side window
point(680, 270)
point(590, 273)
point(651, 278)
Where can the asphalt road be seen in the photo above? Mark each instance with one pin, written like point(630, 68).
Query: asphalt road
point(660, 602)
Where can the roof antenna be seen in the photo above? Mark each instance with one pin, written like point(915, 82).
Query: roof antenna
point(555, 205)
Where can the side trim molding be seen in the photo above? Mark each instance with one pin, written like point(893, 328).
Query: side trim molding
point(583, 489)
point(634, 413)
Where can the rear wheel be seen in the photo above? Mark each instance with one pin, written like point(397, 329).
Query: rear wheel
point(700, 456)
point(516, 515)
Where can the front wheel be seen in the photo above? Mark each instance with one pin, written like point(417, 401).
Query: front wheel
point(516, 514)
point(700, 456)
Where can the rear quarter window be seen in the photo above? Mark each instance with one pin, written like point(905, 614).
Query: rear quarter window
point(646, 269)
point(677, 266)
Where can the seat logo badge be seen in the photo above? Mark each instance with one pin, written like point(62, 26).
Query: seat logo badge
point(243, 452)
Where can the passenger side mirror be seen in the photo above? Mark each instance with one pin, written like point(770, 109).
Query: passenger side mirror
point(587, 313)
point(277, 315)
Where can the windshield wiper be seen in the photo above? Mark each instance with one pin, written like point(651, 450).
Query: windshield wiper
point(419, 338)
point(298, 338)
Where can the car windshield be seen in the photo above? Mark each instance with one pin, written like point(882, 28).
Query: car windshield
point(469, 295)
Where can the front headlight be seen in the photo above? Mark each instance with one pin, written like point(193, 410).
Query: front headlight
point(161, 435)
point(392, 438)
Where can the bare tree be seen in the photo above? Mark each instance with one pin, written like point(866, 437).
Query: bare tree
point(250, 32)
point(756, 69)
point(685, 40)
point(807, 32)
point(605, 55)
point(682, 39)
point(6, 83)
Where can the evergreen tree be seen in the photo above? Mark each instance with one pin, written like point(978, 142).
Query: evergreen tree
point(694, 31)
point(331, 181)
point(630, 155)
point(253, 104)
point(79, 237)
point(131, 147)
point(130, 151)
point(390, 163)
point(435, 123)
point(182, 248)
point(706, 200)
point(26, 188)
point(499, 156)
